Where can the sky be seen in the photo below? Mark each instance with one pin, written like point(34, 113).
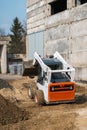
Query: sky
point(9, 9)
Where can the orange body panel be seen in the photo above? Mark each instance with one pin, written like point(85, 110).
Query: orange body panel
point(61, 92)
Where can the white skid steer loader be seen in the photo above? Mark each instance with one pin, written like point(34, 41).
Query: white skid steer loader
point(55, 83)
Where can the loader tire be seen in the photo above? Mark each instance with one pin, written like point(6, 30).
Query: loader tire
point(31, 93)
point(39, 97)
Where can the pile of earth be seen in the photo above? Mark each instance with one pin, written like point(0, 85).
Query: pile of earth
point(9, 112)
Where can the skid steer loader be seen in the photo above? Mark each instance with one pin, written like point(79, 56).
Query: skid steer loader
point(55, 80)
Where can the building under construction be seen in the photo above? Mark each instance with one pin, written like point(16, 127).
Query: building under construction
point(59, 25)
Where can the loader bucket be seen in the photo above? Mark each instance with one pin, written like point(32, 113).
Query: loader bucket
point(29, 69)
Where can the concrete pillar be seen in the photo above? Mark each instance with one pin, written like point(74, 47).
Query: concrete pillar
point(78, 2)
point(47, 10)
point(70, 4)
point(0, 57)
point(27, 48)
point(4, 60)
point(73, 3)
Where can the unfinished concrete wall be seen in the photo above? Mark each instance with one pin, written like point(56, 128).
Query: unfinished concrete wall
point(65, 31)
point(37, 11)
point(35, 16)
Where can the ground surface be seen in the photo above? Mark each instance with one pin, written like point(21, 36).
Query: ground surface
point(18, 112)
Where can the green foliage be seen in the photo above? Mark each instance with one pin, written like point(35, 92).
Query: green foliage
point(17, 44)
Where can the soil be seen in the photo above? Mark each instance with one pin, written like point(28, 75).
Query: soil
point(9, 113)
point(19, 112)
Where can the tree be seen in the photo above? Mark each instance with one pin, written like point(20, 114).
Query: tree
point(18, 40)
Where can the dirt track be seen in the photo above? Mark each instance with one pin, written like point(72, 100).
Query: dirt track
point(51, 117)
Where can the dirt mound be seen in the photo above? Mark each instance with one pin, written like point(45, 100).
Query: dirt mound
point(15, 103)
point(4, 84)
point(10, 113)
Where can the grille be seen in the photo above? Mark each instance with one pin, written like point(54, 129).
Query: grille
point(61, 88)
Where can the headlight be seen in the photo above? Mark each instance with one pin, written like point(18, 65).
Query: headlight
point(71, 88)
point(52, 89)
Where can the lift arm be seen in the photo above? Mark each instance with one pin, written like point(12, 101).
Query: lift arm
point(37, 58)
point(66, 66)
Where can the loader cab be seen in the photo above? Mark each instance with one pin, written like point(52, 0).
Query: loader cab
point(59, 77)
point(55, 77)
point(53, 64)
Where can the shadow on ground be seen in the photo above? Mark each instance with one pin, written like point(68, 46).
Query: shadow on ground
point(80, 99)
point(4, 84)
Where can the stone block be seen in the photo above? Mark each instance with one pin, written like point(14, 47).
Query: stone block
point(57, 19)
point(79, 13)
point(60, 45)
point(78, 59)
point(79, 44)
point(79, 28)
point(56, 33)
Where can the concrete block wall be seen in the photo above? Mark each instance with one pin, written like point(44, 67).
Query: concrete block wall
point(65, 32)
point(35, 16)
point(37, 11)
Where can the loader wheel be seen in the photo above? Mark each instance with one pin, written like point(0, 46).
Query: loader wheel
point(31, 93)
point(39, 97)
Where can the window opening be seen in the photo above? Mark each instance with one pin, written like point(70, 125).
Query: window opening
point(79, 2)
point(58, 6)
